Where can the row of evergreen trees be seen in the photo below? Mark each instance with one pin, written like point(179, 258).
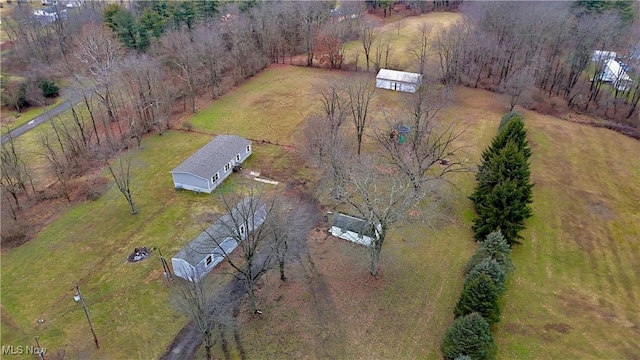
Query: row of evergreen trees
point(502, 202)
point(503, 195)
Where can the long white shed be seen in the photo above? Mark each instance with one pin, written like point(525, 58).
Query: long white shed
point(398, 80)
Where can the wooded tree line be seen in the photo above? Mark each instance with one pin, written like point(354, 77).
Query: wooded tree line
point(136, 67)
point(519, 47)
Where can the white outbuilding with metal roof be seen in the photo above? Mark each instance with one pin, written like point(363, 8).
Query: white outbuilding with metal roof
point(398, 80)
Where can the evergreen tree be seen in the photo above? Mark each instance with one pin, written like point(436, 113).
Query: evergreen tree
point(507, 117)
point(496, 247)
point(507, 164)
point(479, 295)
point(502, 209)
point(513, 130)
point(491, 268)
point(152, 24)
point(469, 337)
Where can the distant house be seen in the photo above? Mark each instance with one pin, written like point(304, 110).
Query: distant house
point(612, 72)
point(398, 80)
point(50, 14)
point(357, 230)
point(214, 162)
point(601, 56)
point(218, 241)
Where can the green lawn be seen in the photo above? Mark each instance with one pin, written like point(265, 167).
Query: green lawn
point(89, 245)
point(12, 122)
point(576, 289)
point(270, 106)
point(574, 293)
point(401, 34)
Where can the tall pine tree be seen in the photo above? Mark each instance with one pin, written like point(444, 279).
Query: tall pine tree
point(469, 336)
point(479, 295)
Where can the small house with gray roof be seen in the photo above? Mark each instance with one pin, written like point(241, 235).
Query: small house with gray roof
point(354, 229)
point(214, 162)
point(219, 240)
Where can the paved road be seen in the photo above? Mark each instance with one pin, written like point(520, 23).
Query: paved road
point(47, 115)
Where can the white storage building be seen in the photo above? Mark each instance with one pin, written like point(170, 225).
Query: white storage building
point(398, 80)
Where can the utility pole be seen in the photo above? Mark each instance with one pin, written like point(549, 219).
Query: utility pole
point(165, 266)
point(86, 312)
point(40, 352)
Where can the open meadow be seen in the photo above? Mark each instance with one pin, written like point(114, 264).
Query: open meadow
point(574, 292)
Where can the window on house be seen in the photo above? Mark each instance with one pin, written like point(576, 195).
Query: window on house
point(209, 259)
point(215, 177)
point(248, 149)
point(227, 167)
point(238, 157)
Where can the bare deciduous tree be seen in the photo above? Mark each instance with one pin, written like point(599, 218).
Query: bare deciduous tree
point(288, 221)
point(519, 82)
point(243, 222)
point(121, 173)
point(429, 142)
point(382, 48)
point(361, 93)
point(98, 53)
point(420, 46)
point(206, 308)
point(380, 197)
point(451, 46)
point(180, 52)
point(14, 174)
point(368, 36)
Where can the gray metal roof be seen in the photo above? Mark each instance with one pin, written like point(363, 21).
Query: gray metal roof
point(350, 223)
point(203, 245)
point(213, 156)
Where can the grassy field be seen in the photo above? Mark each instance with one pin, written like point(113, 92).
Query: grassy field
point(10, 121)
point(576, 290)
point(128, 302)
point(574, 293)
point(400, 34)
point(270, 106)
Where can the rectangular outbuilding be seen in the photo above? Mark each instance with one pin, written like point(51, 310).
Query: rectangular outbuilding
point(354, 229)
point(398, 80)
point(218, 241)
point(214, 162)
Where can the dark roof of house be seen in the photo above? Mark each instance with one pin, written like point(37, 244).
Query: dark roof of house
point(213, 156)
point(350, 223)
point(203, 245)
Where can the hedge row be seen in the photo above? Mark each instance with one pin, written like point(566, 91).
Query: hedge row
point(502, 201)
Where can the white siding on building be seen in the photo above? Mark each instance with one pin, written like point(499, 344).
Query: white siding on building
point(351, 236)
point(398, 80)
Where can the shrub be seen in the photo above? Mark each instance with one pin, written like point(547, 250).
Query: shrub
point(469, 337)
point(490, 267)
point(497, 248)
point(479, 294)
point(508, 116)
point(49, 88)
